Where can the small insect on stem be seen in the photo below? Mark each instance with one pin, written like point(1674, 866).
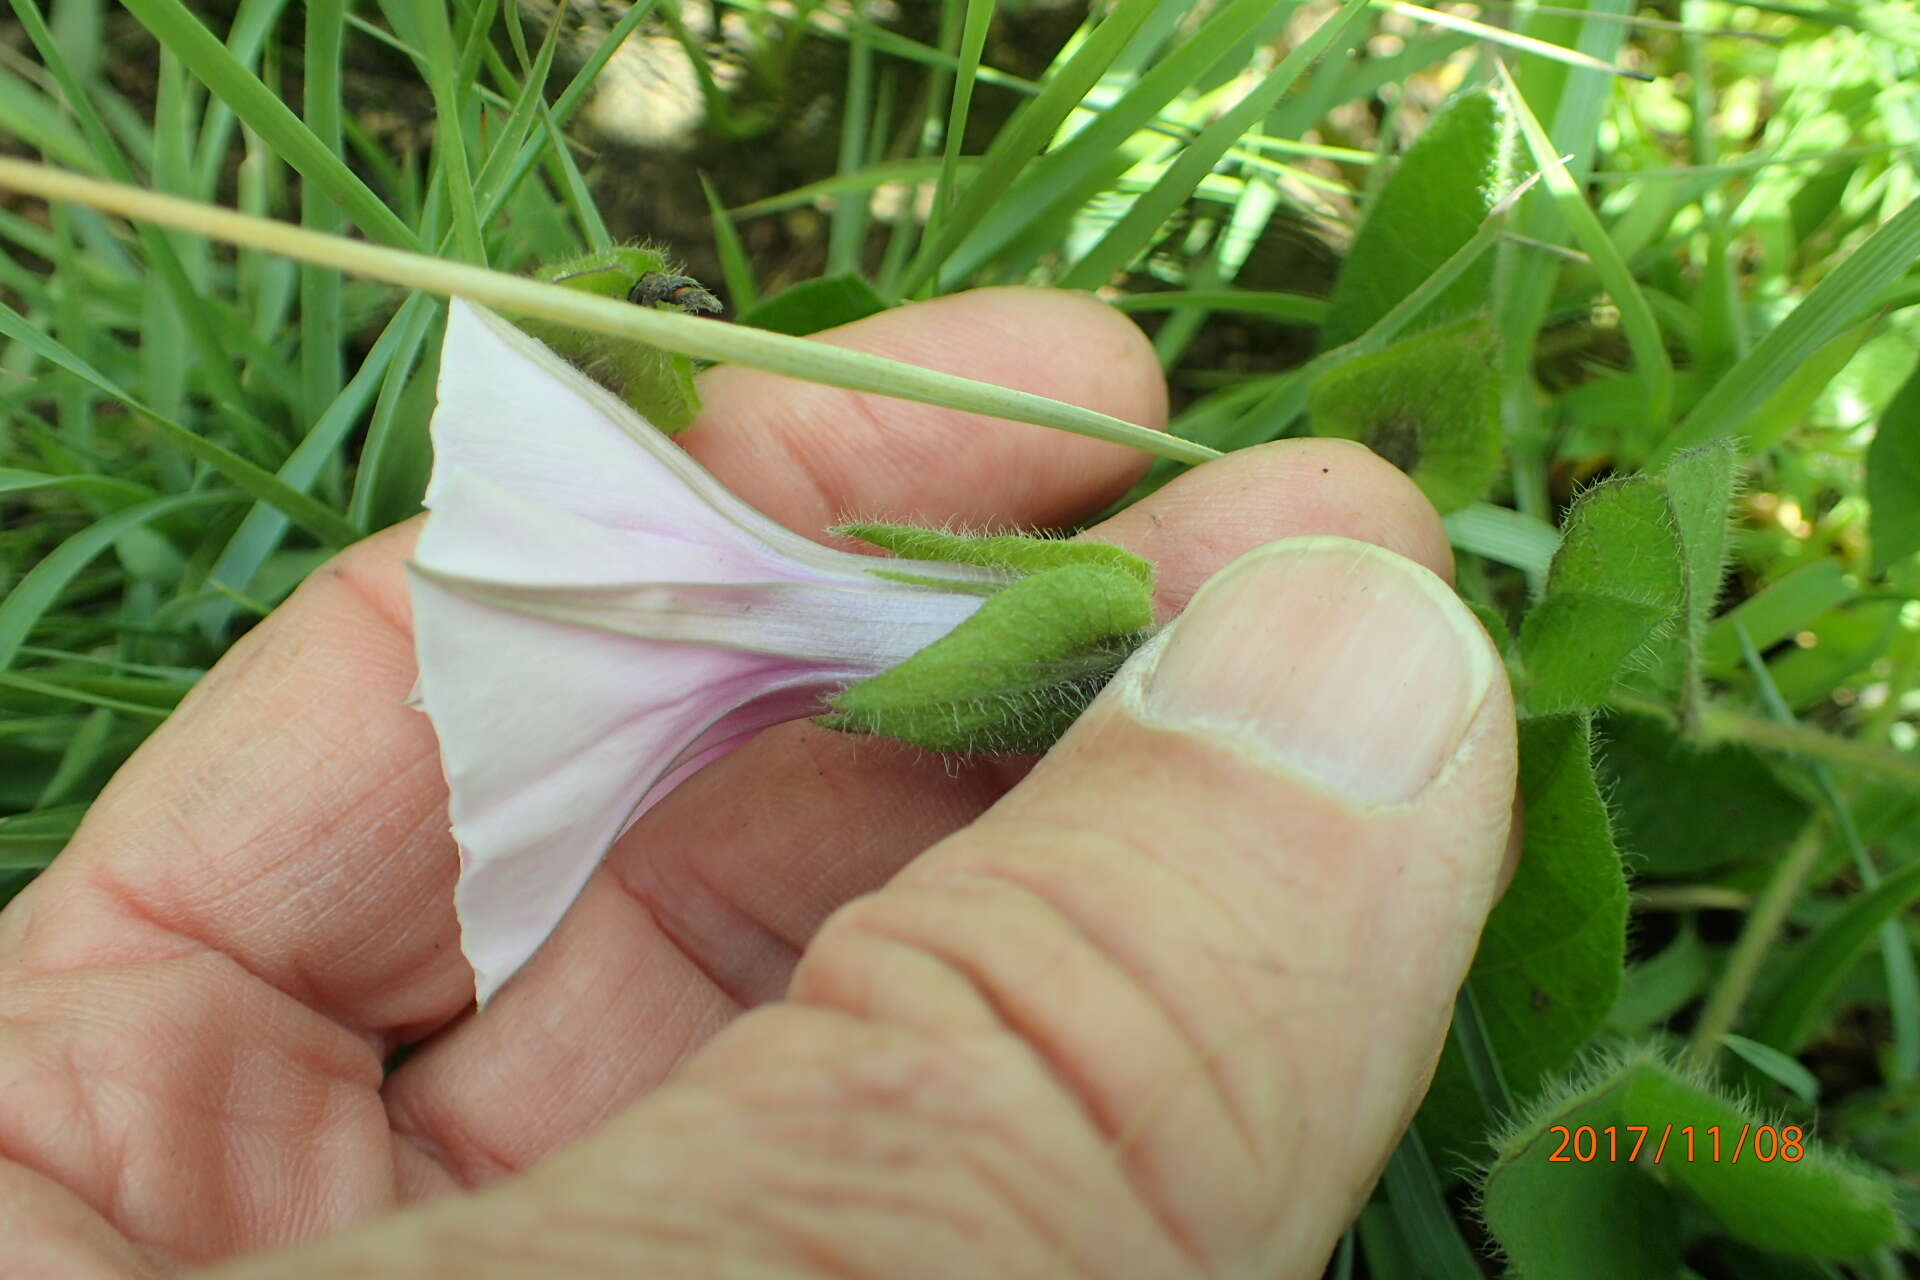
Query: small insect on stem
point(656, 287)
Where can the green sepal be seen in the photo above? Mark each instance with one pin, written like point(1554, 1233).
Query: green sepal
point(658, 384)
point(1016, 553)
point(1015, 675)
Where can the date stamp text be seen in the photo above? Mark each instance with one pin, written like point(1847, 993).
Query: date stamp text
point(1711, 1144)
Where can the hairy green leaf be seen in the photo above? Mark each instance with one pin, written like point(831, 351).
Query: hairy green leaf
point(1616, 583)
point(1549, 965)
point(1732, 809)
point(1893, 478)
point(1429, 404)
point(1447, 183)
point(816, 305)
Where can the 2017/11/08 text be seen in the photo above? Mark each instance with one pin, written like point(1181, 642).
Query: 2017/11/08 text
point(1613, 1143)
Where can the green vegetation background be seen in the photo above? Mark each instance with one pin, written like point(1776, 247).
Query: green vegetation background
point(1629, 289)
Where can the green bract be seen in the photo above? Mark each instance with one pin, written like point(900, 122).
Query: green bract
point(1013, 676)
point(659, 384)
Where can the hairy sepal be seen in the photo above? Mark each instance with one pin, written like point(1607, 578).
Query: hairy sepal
point(1017, 673)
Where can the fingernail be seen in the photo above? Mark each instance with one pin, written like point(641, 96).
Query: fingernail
point(1338, 659)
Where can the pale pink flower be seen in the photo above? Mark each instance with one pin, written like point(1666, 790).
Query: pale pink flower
point(596, 617)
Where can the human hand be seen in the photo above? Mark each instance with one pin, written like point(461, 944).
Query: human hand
point(1159, 1009)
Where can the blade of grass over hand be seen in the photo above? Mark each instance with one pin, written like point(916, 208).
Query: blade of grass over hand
point(1636, 317)
point(1512, 39)
point(1129, 237)
point(689, 335)
point(1028, 133)
point(267, 115)
point(254, 481)
point(1831, 306)
point(41, 585)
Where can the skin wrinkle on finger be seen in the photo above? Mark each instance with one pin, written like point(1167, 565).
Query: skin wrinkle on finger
point(1000, 999)
point(969, 1096)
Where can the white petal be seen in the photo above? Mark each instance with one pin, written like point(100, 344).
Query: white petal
point(512, 411)
point(547, 766)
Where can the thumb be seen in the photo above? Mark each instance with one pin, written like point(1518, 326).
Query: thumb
point(1228, 913)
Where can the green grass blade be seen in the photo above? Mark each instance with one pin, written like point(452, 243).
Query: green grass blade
point(257, 483)
point(321, 339)
point(1636, 317)
point(268, 116)
point(847, 226)
point(1794, 1011)
point(1831, 306)
point(1504, 535)
point(171, 272)
point(688, 335)
point(1074, 171)
point(388, 434)
point(735, 267)
point(973, 43)
point(1293, 308)
point(1413, 1190)
point(36, 591)
point(1028, 133)
point(260, 533)
point(905, 172)
point(1130, 236)
point(1511, 39)
point(427, 26)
